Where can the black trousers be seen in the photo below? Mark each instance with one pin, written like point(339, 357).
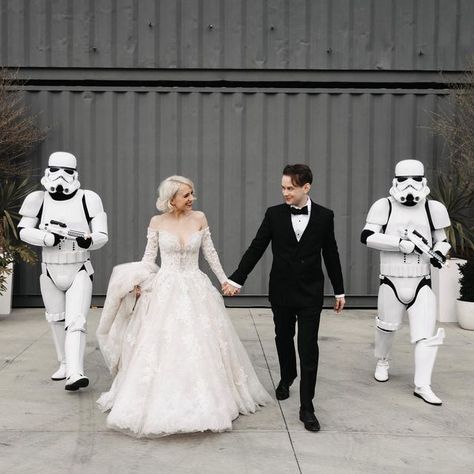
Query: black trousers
point(285, 319)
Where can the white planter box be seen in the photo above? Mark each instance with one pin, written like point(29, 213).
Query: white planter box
point(6, 297)
point(445, 283)
point(466, 314)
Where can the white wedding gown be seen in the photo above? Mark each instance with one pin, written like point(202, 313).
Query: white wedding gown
point(179, 365)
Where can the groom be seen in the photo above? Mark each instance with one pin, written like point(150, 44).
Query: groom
point(300, 231)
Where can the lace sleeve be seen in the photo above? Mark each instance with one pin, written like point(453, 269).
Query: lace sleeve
point(151, 249)
point(211, 256)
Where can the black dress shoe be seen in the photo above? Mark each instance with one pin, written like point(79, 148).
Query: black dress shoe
point(282, 392)
point(310, 421)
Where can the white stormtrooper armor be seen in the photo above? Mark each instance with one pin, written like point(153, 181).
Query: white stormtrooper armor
point(405, 283)
point(68, 223)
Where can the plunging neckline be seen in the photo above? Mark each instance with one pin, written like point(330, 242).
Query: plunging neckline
point(189, 239)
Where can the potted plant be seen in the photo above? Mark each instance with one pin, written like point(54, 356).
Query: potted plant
point(12, 193)
point(465, 303)
point(454, 187)
point(18, 135)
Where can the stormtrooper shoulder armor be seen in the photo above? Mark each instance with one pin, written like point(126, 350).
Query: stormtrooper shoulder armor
point(32, 204)
point(93, 203)
point(438, 214)
point(379, 212)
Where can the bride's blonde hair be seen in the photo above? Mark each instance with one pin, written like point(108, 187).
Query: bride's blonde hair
point(167, 191)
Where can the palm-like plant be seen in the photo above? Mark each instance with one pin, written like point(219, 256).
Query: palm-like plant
point(458, 197)
point(18, 135)
point(454, 187)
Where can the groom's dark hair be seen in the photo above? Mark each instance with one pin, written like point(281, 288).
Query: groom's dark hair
point(299, 174)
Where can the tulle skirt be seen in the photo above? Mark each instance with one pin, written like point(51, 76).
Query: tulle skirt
point(182, 366)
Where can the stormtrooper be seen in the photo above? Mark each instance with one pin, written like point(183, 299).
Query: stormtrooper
point(409, 231)
point(67, 222)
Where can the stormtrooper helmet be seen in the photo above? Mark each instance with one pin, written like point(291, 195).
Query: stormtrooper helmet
point(409, 185)
point(61, 174)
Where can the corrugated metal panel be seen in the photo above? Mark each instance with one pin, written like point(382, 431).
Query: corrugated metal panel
point(238, 34)
point(234, 146)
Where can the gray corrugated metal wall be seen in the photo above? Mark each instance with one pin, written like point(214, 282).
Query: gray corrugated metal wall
point(238, 34)
point(227, 92)
point(234, 145)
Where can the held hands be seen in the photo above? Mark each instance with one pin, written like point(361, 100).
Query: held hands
point(229, 290)
point(339, 305)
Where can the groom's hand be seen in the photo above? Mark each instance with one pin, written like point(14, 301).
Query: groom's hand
point(339, 304)
point(229, 290)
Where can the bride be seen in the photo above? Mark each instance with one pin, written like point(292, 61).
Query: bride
point(178, 363)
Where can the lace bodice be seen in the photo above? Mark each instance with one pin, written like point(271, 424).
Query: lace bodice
point(177, 257)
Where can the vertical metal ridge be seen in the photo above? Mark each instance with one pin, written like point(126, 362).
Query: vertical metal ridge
point(47, 19)
point(157, 37)
point(200, 119)
point(26, 32)
point(92, 39)
point(70, 33)
point(200, 51)
point(436, 36)
point(243, 36)
point(308, 33)
point(136, 161)
point(263, 278)
point(113, 35)
point(308, 127)
point(179, 32)
point(286, 23)
point(135, 26)
point(349, 198)
point(221, 147)
point(329, 150)
point(415, 127)
point(243, 174)
point(222, 35)
point(157, 137)
point(370, 194)
point(351, 35)
point(414, 57)
point(457, 34)
point(286, 131)
point(265, 27)
point(115, 168)
point(372, 60)
point(179, 134)
point(393, 32)
point(329, 29)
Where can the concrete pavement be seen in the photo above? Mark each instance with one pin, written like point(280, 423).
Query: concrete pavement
point(367, 427)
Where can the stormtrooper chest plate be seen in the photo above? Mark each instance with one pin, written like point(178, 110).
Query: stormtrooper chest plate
point(410, 218)
point(70, 212)
point(400, 264)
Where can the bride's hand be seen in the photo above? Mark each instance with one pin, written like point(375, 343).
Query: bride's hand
point(138, 291)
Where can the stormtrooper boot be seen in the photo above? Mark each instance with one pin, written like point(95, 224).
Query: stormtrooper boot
point(59, 336)
point(75, 348)
point(381, 370)
point(383, 344)
point(425, 355)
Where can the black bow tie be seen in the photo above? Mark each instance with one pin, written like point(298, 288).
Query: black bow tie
point(296, 211)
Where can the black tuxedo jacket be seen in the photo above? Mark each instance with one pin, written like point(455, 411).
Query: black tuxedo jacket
point(296, 277)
